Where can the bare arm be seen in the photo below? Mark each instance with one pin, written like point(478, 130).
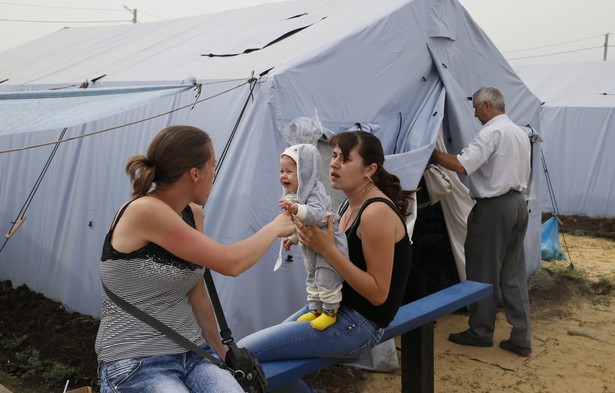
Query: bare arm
point(206, 317)
point(150, 220)
point(449, 161)
point(379, 230)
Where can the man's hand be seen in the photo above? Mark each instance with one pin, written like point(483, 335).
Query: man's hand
point(449, 161)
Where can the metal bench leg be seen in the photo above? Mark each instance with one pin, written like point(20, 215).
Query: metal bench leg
point(417, 360)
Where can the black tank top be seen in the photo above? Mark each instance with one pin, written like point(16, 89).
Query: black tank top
point(383, 314)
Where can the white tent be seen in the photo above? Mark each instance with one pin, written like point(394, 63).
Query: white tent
point(577, 123)
point(404, 66)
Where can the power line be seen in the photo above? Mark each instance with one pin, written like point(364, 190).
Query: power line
point(558, 53)
point(153, 16)
point(551, 45)
point(65, 21)
point(75, 9)
point(61, 7)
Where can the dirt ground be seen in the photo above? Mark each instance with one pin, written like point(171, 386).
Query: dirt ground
point(572, 314)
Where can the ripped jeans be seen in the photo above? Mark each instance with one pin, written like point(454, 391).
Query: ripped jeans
point(351, 334)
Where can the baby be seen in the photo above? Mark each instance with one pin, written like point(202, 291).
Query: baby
point(306, 198)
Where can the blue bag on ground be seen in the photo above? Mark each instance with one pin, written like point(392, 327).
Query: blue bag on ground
point(550, 249)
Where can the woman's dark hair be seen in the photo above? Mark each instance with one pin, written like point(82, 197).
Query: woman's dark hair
point(370, 150)
point(172, 152)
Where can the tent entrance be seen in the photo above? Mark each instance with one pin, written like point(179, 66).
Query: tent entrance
point(432, 254)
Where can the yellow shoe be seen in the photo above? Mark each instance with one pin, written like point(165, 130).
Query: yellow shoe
point(309, 316)
point(324, 320)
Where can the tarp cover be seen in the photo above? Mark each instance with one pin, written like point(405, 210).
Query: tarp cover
point(52, 109)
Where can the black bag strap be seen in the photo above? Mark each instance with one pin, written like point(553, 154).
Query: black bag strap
point(225, 331)
point(162, 328)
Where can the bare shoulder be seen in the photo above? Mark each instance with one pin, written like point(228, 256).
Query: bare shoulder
point(379, 214)
point(380, 219)
point(148, 210)
point(378, 209)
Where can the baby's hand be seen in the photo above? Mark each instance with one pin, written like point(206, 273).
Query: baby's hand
point(288, 206)
point(286, 243)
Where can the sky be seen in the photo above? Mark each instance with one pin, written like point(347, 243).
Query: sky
point(525, 31)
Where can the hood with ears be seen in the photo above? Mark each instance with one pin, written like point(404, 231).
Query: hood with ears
point(308, 160)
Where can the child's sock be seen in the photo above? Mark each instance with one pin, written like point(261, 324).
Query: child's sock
point(309, 316)
point(326, 319)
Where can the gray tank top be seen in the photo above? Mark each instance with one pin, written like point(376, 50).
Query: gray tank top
point(155, 281)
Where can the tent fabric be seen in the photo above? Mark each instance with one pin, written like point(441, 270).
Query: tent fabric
point(403, 66)
point(29, 111)
point(577, 123)
point(456, 207)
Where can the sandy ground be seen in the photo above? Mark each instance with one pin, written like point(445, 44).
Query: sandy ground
point(573, 342)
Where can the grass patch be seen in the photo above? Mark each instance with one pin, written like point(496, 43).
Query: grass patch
point(560, 282)
point(589, 233)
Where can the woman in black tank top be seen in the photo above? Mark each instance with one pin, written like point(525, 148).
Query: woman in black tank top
point(376, 271)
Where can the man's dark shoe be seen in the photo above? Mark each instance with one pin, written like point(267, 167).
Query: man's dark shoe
point(514, 348)
point(466, 338)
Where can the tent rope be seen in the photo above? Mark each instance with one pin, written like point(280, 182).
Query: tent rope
point(252, 82)
point(198, 101)
point(554, 202)
point(21, 216)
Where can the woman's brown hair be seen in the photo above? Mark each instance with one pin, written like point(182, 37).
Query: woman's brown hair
point(370, 150)
point(172, 152)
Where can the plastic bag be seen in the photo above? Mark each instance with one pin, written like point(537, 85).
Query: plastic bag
point(303, 130)
point(550, 249)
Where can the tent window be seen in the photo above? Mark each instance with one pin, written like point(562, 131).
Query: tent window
point(262, 36)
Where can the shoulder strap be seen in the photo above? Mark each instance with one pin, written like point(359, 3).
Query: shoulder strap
point(188, 216)
point(119, 214)
point(377, 199)
point(225, 331)
point(161, 327)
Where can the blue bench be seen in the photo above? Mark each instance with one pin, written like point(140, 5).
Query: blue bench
point(414, 322)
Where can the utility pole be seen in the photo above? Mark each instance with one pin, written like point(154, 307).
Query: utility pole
point(133, 12)
point(606, 44)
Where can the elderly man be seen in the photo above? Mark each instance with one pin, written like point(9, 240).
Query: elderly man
point(497, 163)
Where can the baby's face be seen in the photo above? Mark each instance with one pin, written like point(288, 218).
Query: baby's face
point(288, 174)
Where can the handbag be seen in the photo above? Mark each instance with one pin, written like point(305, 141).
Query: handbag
point(244, 366)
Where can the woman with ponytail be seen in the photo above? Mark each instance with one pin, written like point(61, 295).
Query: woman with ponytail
point(375, 271)
point(154, 256)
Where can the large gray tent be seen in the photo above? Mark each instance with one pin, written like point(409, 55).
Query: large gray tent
point(577, 122)
point(406, 67)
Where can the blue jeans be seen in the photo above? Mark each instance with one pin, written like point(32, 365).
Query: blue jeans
point(351, 334)
point(186, 372)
